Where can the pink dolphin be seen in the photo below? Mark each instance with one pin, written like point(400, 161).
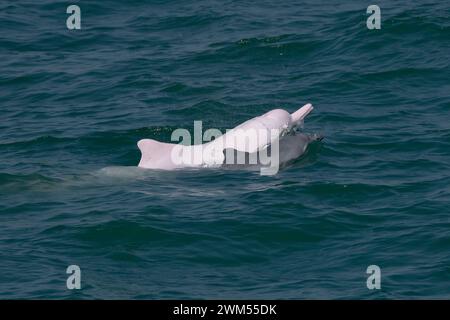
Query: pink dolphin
point(275, 124)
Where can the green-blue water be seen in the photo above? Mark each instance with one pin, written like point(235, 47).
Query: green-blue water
point(73, 104)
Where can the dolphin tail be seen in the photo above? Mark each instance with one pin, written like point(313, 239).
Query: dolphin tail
point(300, 114)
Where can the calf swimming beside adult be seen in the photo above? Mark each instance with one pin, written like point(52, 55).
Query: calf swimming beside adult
point(273, 132)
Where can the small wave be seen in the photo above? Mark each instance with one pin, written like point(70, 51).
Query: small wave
point(20, 182)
